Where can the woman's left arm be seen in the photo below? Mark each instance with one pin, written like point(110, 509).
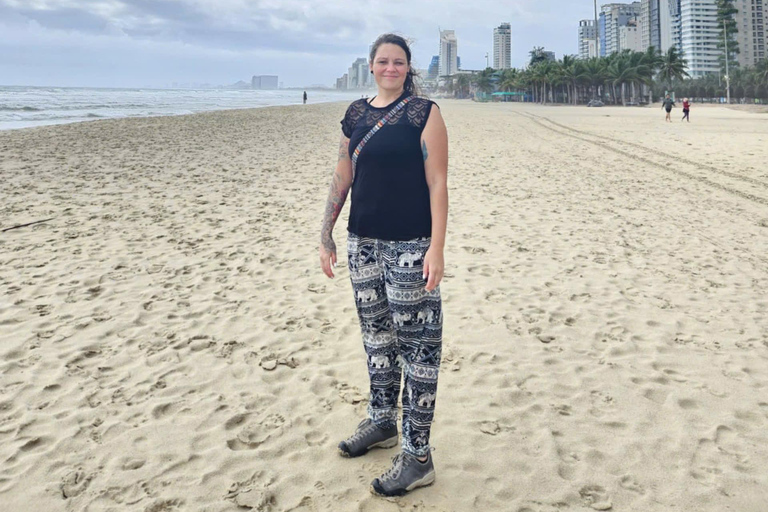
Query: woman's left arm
point(434, 148)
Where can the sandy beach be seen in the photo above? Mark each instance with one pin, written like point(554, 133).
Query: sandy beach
point(168, 341)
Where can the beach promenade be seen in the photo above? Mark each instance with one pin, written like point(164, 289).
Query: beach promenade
point(168, 341)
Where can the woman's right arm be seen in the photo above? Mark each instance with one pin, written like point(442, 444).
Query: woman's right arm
point(337, 195)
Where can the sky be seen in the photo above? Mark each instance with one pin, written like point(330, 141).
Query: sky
point(154, 43)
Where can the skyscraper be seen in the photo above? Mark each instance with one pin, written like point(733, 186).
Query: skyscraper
point(645, 23)
point(751, 21)
point(699, 34)
point(434, 68)
point(502, 46)
point(587, 39)
point(448, 53)
point(660, 24)
point(613, 16)
point(630, 37)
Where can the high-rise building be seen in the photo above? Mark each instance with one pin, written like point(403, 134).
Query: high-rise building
point(264, 82)
point(359, 74)
point(434, 68)
point(502, 46)
point(630, 37)
point(699, 35)
point(587, 39)
point(659, 24)
point(645, 23)
point(751, 23)
point(612, 17)
point(448, 53)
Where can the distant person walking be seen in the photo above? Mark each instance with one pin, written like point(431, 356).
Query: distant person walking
point(394, 156)
point(667, 105)
point(686, 110)
point(305, 97)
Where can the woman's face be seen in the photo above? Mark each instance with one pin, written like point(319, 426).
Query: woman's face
point(390, 67)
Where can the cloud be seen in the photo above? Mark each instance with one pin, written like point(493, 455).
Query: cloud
point(292, 35)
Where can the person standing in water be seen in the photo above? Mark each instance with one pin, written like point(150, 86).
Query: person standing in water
point(686, 110)
point(394, 156)
point(305, 97)
point(667, 105)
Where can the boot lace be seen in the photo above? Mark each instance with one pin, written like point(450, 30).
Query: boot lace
point(399, 462)
point(362, 430)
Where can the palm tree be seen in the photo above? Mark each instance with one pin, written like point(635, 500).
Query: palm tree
point(537, 55)
point(463, 85)
point(595, 73)
point(509, 80)
point(652, 60)
point(484, 80)
point(568, 70)
point(673, 65)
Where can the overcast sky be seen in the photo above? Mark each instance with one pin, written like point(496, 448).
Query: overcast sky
point(139, 43)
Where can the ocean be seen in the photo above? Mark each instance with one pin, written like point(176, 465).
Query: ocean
point(23, 107)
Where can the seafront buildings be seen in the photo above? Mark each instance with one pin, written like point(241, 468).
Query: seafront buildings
point(751, 21)
point(449, 45)
point(358, 76)
point(264, 82)
point(691, 26)
point(612, 18)
point(587, 39)
point(699, 35)
point(502, 46)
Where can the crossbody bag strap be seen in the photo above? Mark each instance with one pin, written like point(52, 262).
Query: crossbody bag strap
point(384, 120)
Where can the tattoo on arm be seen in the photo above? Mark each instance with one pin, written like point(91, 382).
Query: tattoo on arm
point(344, 149)
point(337, 196)
point(424, 149)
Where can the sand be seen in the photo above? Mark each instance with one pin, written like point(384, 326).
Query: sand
point(169, 343)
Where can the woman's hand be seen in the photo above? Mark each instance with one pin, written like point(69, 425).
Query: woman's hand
point(328, 256)
point(434, 267)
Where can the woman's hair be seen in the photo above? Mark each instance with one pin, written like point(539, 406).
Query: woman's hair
point(410, 85)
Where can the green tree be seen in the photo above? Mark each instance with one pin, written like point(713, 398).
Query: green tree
point(537, 55)
point(463, 85)
point(725, 17)
point(673, 65)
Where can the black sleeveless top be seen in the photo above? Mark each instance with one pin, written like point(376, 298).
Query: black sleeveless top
point(390, 197)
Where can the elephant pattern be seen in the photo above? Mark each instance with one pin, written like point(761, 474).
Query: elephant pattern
point(427, 400)
point(368, 295)
point(408, 259)
point(425, 316)
point(401, 318)
point(379, 362)
point(402, 333)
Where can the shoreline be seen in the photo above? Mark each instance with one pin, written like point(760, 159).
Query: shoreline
point(97, 119)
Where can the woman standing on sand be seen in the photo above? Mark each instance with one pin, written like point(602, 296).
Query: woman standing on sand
point(686, 110)
point(394, 156)
point(667, 105)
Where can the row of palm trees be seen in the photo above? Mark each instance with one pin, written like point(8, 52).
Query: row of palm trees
point(623, 78)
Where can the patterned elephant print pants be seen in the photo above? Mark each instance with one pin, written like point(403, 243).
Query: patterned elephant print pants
point(402, 326)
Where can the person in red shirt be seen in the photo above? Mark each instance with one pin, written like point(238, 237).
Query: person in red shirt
point(686, 110)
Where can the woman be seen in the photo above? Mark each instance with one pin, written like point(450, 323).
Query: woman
point(397, 222)
point(686, 110)
point(667, 105)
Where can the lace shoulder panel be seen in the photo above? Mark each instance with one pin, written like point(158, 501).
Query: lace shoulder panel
point(418, 111)
point(354, 112)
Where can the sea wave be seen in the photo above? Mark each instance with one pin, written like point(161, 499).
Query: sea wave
point(9, 108)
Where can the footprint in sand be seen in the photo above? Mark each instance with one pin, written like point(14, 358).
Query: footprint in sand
point(316, 438)
point(595, 497)
point(74, 483)
point(630, 483)
point(253, 493)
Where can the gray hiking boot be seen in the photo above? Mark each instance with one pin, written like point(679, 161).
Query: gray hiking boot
point(368, 435)
point(406, 474)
